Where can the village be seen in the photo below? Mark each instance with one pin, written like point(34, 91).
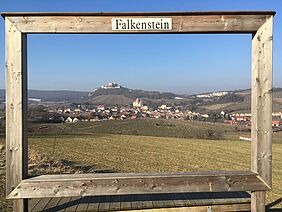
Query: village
point(138, 110)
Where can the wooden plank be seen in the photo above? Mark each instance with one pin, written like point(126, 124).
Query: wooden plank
point(167, 202)
point(262, 109)
point(141, 201)
point(107, 184)
point(104, 204)
point(258, 201)
point(135, 202)
point(188, 200)
point(177, 200)
point(224, 198)
point(41, 205)
point(125, 202)
point(83, 204)
point(53, 203)
point(204, 199)
point(262, 102)
point(74, 177)
point(157, 201)
point(103, 24)
point(115, 203)
point(32, 203)
point(73, 204)
point(215, 198)
point(214, 208)
point(94, 203)
point(146, 201)
point(62, 205)
point(16, 111)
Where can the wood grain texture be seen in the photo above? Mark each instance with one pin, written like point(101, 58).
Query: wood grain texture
point(262, 102)
point(16, 111)
point(106, 184)
point(214, 208)
point(214, 23)
point(228, 201)
point(262, 109)
point(258, 201)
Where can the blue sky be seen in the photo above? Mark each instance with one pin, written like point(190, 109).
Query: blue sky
point(177, 63)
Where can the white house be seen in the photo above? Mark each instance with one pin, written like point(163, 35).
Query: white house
point(137, 103)
point(100, 107)
point(75, 120)
point(68, 120)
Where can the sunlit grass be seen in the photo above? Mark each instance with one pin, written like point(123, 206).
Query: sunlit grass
point(149, 146)
point(127, 153)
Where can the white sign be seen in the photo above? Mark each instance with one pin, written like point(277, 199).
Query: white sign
point(142, 24)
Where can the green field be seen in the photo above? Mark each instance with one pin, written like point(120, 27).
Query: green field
point(148, 146)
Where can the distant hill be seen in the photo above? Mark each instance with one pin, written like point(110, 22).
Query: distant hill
point(2, 95)
point(109, 99)
point(130, 93)
point(238, 101)
point(114, 94)
point(52, 95)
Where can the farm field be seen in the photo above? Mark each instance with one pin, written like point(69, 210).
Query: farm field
point(143, 146)
point(145, 127)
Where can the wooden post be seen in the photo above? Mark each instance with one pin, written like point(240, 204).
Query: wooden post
point(16, 111)
point(262, 110)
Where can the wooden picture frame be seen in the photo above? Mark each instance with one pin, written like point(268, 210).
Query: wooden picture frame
point(258, 180)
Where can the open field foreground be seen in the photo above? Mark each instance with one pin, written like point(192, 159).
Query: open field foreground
point(93, 147)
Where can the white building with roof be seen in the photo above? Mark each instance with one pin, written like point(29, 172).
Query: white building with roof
point(137, 103)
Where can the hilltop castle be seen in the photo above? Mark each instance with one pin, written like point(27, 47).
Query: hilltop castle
point(111, 85)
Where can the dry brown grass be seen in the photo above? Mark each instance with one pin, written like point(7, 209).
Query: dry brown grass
point(217, 107)
point(98, 147)
point(127, 153)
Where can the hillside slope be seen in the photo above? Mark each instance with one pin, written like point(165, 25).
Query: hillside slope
point(109, 99)
point(53, 95)
point(243, 105)
point(238, 101)
point(147, 127)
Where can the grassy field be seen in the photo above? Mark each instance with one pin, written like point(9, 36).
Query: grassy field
point(127, 153)
point(151, 146)
point(147, 127)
